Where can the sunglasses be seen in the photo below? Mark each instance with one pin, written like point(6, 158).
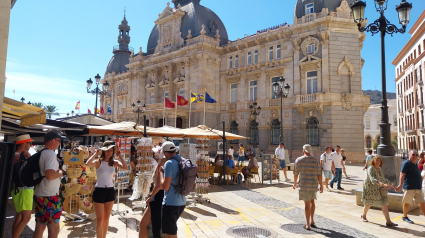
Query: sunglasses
point(414, 154)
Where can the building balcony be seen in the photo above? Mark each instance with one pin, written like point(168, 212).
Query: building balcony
point(232, 106)
point(274, 102)
point(309, 98)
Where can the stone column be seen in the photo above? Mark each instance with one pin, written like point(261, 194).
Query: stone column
point(243, 92)
point(324, 35)
point(4, 37)
point(297, 82)
point(154, 77)
point(262, 92)
point(319, 79)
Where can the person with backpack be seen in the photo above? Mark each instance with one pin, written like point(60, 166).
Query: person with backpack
point(48, 206)
point(172, 175)
point(22, 196)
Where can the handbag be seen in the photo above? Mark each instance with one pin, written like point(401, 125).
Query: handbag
point(384, 191)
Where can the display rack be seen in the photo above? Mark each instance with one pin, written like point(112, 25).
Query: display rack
point(122, 175)
point(202, 160)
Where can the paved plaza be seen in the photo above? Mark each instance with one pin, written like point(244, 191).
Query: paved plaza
point(272, 207)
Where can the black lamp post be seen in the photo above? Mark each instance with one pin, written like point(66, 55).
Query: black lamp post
point(29, 103)
point(383, 26)
point(97, 91)
point(138, 111)
point(22, 99)
point(255, 111)
point(282, 92)
point(72, 113)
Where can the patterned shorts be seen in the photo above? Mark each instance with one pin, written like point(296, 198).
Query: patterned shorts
point(48, 210)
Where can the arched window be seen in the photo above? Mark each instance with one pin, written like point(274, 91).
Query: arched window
point(275, 131)
point(313, 131)
point(368, 142)
point(253, 133)
point(234, 130)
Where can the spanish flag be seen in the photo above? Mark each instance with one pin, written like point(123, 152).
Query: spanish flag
point(195, 97)
point(77, 107)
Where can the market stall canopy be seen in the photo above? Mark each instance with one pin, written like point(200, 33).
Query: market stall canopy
point(28, 114)
point(165, 131)
point(123, 128)
point(202, 131)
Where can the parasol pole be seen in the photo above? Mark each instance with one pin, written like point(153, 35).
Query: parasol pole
point(190, 106)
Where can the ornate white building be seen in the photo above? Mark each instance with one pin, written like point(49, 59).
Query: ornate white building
point(319, 55)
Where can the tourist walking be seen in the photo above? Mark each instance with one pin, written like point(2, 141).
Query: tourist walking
point(368, 159)
point(308, 169)
point(153, 211)
point(48, 206)
point(411, 182)
point(375, 189)
point(241, 153)
point(231, 151)
point(173, 203)
point(338, 164)
point(326, 164)
point(280, 151)
point(22, 196)
point(104, 193)
point(344, 159)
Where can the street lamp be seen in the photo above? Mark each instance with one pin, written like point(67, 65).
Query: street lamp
point(29, 103)
point(138, 111)
point(282, 92)
point(383, 26)
point(72, 113)
point(97, 91)
point(255, 111)
point(22, 99)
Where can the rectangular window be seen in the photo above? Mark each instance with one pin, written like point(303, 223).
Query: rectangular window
point(311, 48)
point(313, 136)
point(271, 53)
point(367, 126)
point(248, 59)
point(166, 94)
point(312, 82)
point(230, 62)
point(253, 91)
point(256, 57)
point(182, 93)
point(309, 8)
point(152, 99)
point(233, 93)
point(278, 52)
point(236, 61)
point(119, 107)
point(419, 49)
point(273, 94)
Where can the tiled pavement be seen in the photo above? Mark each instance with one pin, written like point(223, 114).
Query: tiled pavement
point(273, 207)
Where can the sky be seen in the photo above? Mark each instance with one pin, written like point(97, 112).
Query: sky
point(55, 46)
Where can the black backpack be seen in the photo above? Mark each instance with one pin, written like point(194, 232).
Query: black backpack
point(15, 173)
point(30, 170)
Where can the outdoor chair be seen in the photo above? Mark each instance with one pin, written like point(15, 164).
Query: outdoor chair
point(211, 172)
point(218, 170)
point(230, 172)
point(254, 171)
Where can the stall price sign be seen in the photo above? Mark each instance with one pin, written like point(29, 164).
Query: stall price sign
point(266, 168)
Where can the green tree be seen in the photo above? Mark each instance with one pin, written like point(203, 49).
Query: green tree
point(375, 145)
point(51, 111)
point(394, 143)
point(38, 104)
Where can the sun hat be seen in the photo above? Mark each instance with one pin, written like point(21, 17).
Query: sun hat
point(342, 149)
point(168, 146)
point(328, 147)
point(52, 135)
point(307, 148)
point(107, 145)
point(23, 139)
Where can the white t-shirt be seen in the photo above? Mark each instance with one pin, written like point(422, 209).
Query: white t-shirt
point(231, 151)
point(423, 181)
point(47, 187)
point(337, 159)
point(327, 161)
point(281, 152)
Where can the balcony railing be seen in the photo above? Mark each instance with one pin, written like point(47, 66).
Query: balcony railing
point(233, 106)
point(274, 102)
point(309, 98)
point(117, 47)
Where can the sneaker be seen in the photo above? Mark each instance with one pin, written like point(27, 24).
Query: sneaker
point(332, 185)
point(286, 179)
point(327, 189)
point(340, 188)
point(406, 219)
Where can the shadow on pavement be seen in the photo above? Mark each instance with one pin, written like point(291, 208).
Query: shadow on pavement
point(299, 230)
point(201, 211)
point(405, 230)
point(220, 208)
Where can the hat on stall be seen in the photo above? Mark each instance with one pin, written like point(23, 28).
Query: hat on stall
point(107, 145)
point(168, 146)
point(52, 135)
point(307, 148)
point(23, 139)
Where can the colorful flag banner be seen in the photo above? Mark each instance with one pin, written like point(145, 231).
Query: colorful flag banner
point(89, 112)
point(109, 109)
point(209, 99)
point(181, 101)
point(169, 103)
point(102, 111)
point(97, 110)
point(77, 106)
point(195, 98)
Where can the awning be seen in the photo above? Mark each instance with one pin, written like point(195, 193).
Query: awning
point(122, 128)
point(28, 114)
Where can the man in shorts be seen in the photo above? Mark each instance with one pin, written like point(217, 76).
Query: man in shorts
point(174, 203)
point(326, 164)
point(48, 206)
point(280, 151)
point(308, 169)
point(22, 195)
point(411, 182)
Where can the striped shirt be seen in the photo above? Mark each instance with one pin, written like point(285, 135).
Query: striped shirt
point(307, 167)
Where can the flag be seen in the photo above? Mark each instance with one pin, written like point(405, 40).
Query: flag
point(169, 103)
point(209, 99)
point(195, 98)
point(109, 109)
point(89, 111)
point(181, 101)
point(13, 90)
point(77, 106)
point(96, 110)
point(101, 110)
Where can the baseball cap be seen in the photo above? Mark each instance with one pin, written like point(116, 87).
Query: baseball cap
point(52, 135)
point(168, 146)
point(23, 139)
point(328, 147)
point(307, 148)
point(282, 143)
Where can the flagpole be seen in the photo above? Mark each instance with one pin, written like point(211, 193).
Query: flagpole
point(190, 106)
point(204, 103)
point(175, 123)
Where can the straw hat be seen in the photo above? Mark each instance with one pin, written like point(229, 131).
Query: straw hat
point(108, 145)
point(23, 139)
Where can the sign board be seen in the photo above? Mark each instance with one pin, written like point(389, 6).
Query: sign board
point(220, 146)
point(270, 168)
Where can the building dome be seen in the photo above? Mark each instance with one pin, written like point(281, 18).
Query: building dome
point(122, 51)
point(196, 16)
point(118, 62)
point(300, 7)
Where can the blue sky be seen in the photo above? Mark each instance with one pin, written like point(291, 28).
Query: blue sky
point(55, 46)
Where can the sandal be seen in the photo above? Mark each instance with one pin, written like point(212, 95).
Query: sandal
point(392, 224)
point(313, 225)
point(363, 218)
point(305, 227)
